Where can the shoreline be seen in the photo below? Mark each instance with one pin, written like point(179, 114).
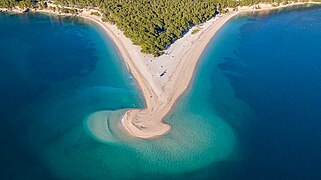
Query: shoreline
point(163, 80)
point(184, 73)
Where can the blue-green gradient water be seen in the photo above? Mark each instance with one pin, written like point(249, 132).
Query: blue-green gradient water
point(53, 73)
point(252, 111)
point(272, 62)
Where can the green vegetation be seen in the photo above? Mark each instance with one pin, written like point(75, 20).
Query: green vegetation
point(42, 5)
point(39, 4)
point(12, 3)
point(195, 31)
point(155, 24)
point(151, 24)
point(7, 3)
point(67, 10)
point(224, 11)
point(25, 4)
point(95, 13)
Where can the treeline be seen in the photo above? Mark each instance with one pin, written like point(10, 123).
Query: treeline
point(7, 3)
point(155, 24)
point(23, 4)
point(40, 4)
point(152, 24)
point(65, 10)
point(12, 3)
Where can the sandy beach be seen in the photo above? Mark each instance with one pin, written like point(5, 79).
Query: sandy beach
point(162, 80)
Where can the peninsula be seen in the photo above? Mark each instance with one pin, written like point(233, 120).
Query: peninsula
point(167, 72)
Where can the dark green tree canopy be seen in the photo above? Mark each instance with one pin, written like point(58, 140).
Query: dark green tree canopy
point(152, 24)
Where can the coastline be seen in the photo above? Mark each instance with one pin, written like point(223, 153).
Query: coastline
point(162, 80)
point(148, 122)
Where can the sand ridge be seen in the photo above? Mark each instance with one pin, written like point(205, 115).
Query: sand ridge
point(163, 79)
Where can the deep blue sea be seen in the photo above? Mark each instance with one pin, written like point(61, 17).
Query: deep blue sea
point(273, 64)
point(253, 110)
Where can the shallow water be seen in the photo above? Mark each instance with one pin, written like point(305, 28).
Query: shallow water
point(61, 110)
point(251, 113)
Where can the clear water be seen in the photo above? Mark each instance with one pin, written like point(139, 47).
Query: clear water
point(252, 112)
point(272, 61)
point(53, 73)
point(276, 70)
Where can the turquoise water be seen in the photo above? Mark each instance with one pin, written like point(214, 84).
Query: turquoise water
point(63, 91)
point(53, 73)
point(252, 111)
